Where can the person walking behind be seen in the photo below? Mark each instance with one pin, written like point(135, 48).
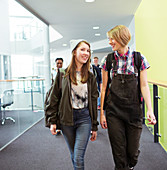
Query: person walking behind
point(96, 61)
point(59, 65)
point(75, 106)
point(96, 67)
point(123, 109)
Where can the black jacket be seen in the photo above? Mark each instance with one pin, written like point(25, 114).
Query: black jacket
point(59, 108)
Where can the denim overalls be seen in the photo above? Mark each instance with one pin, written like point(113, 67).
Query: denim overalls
point(124, 120)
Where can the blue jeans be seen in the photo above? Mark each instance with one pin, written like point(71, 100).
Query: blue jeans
point(77, 136)
point(98, 101)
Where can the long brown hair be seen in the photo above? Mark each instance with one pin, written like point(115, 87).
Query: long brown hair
point(71, 70)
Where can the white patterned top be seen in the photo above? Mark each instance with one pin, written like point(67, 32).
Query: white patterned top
point(79, 93)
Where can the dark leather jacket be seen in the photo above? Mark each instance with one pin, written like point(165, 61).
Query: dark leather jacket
point(59, 108)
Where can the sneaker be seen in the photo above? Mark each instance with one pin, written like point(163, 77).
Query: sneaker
point(131, 168)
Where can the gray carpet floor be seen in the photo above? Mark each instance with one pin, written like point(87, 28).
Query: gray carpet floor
point(24, 119)
point(37, 149)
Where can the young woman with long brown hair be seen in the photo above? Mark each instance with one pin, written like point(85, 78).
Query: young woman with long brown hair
point(74, 107)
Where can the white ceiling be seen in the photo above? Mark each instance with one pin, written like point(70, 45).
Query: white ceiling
point(75, 19)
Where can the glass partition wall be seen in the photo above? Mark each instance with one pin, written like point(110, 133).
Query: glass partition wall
point(22, 74)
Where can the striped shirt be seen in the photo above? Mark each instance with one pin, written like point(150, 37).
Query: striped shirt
point(125, 63)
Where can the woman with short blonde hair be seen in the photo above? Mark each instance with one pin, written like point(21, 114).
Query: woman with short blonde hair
point(123, 109)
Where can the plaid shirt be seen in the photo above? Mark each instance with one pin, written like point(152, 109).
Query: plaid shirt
point(125, 63)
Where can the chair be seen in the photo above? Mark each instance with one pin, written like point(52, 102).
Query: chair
point(7, 100)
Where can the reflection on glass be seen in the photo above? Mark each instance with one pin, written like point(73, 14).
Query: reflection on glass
point(21, 69)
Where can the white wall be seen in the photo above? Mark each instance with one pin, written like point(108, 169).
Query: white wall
point(4, 25)
point(131, 27)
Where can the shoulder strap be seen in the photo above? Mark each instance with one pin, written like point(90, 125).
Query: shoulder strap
point(137, 59)
point(109, 60)
point(137, 62)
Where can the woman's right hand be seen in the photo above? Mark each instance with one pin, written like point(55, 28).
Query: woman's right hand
point(53, 129)
point(103, 121)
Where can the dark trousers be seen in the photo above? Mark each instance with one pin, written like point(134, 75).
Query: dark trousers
point(124, 139)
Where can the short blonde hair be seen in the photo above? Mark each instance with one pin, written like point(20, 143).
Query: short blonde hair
point(121, 34)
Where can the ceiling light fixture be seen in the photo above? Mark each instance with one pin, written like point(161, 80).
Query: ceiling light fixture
point(96, 28)
point(97, 34)
point(64, 45)
point(89, 0)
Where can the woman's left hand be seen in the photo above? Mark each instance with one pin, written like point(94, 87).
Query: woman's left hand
point(93, 135)
point(151, 118)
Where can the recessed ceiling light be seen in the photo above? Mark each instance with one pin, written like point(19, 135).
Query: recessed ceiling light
point(89, 0)
point(96, 28)
point(97, 34)
point(64, 45)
